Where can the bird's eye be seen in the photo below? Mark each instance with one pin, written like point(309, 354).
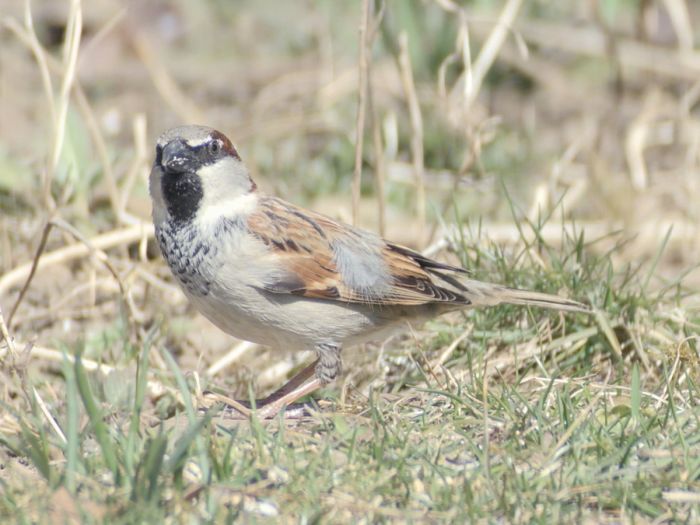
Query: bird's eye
point(214, 147)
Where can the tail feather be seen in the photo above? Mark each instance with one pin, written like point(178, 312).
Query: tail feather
point(487, 294)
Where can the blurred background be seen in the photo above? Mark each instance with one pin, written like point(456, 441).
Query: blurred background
point(581, 117)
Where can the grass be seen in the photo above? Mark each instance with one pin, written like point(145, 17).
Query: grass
point(505, 414)
point(563, 418)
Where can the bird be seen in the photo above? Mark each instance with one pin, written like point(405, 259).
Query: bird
point(267, 271)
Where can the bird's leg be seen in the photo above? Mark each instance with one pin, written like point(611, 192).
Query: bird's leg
point(269, 406)
point(325, 369)
point(272, 408)
point(243, 406)
point(328, 365)
point(289, 386)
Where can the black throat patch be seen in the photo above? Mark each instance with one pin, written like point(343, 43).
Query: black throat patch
point(182, 193)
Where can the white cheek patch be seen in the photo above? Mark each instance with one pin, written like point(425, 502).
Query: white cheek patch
point(226, 188)
point(224, 178)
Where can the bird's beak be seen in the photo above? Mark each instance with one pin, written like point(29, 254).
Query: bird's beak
point(176, 157)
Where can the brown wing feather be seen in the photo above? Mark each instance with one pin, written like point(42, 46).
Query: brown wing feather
point(304, 243)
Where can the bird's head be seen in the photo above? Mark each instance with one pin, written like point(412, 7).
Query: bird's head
point(197, 172)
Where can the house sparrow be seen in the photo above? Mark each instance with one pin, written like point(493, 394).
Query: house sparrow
point(267, 271)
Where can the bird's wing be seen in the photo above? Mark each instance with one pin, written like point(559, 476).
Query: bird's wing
point(317, 257)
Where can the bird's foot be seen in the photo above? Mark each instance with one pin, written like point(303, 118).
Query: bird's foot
point(266, 408)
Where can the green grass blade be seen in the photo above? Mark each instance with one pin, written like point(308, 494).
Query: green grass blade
point(652, 269)
point(150, 468)
point(71, 427)
point(139, 396)
point(182, 386)
point(195, 426)
point(636, 394)
point(36, 447)
point(179, 453)
point(95, 415)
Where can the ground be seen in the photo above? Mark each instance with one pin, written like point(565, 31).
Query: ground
point(549, 146)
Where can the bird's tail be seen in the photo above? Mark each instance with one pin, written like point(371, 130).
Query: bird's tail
point(487, 294)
